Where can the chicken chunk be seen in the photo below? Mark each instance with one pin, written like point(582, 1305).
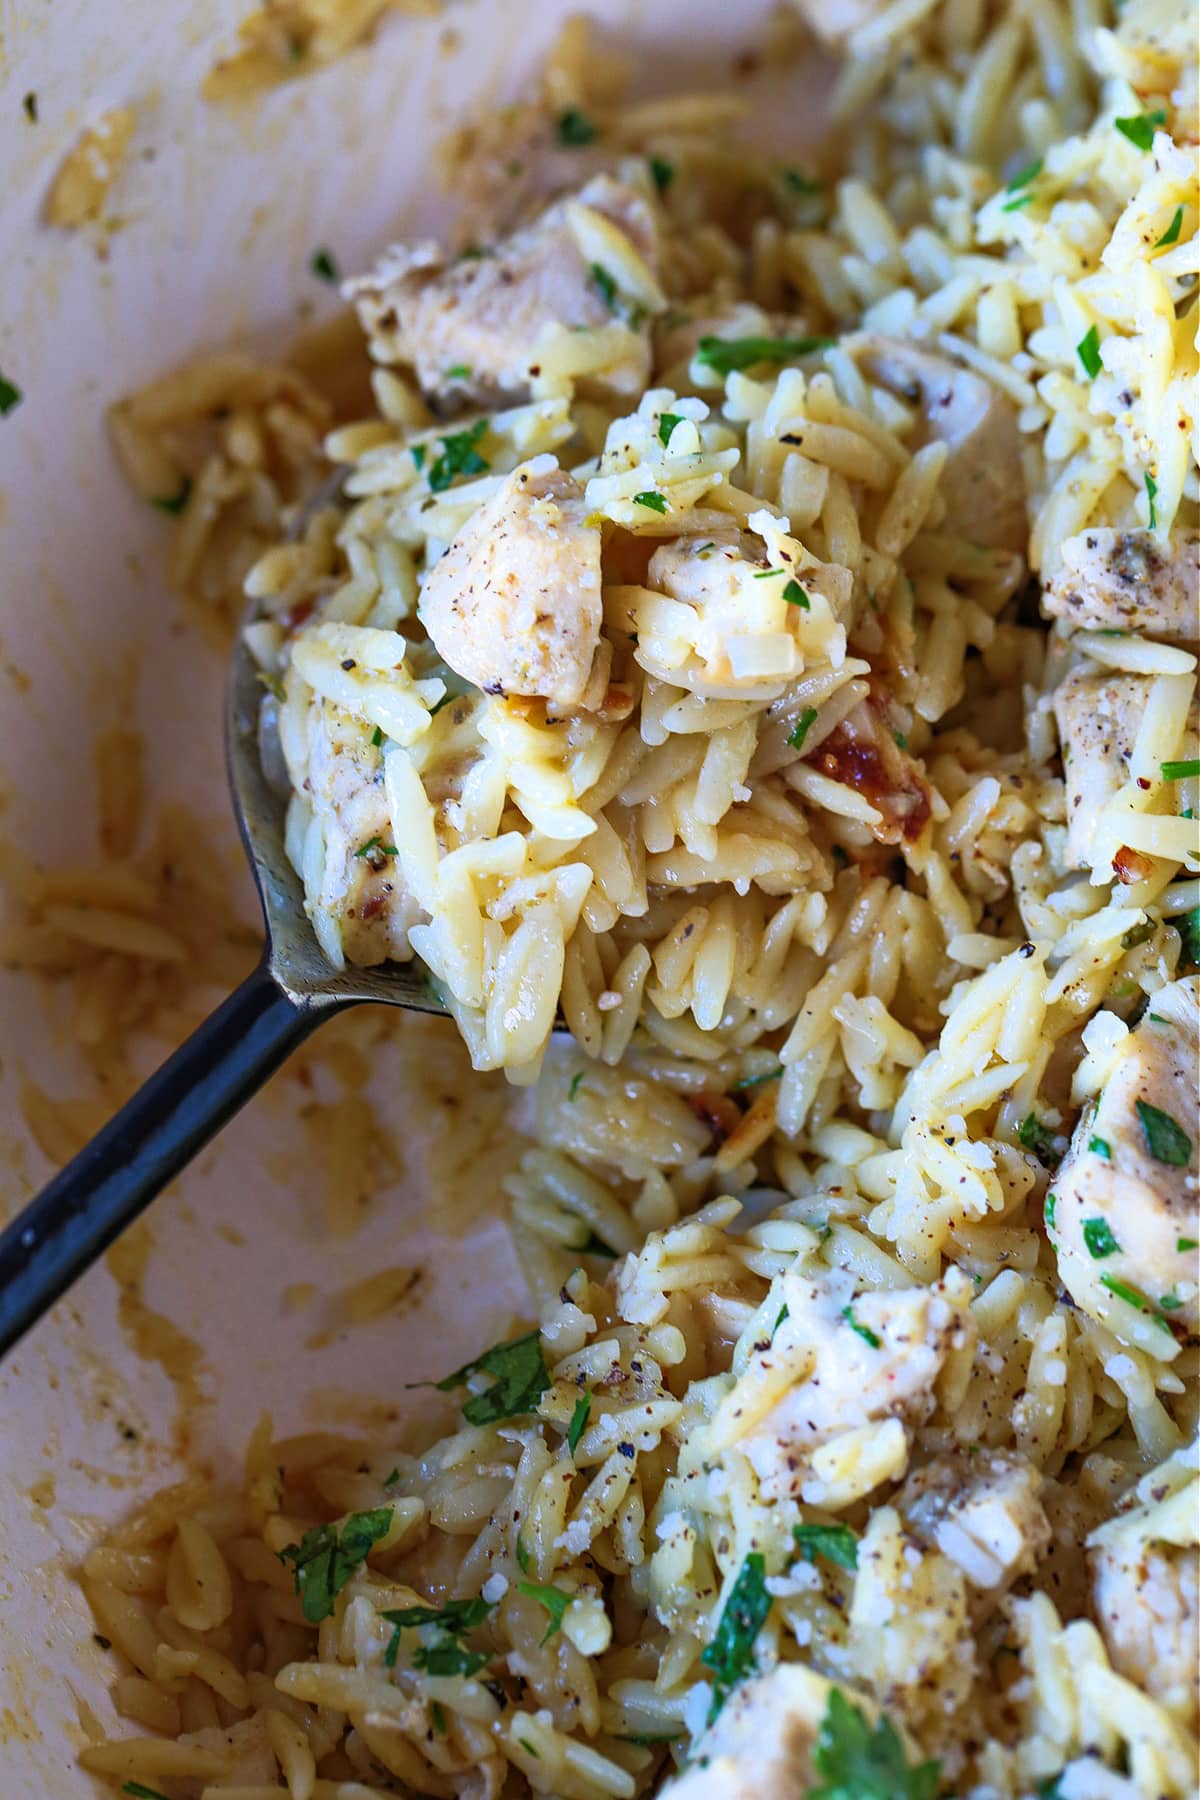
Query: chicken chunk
point(870, 1358)
point(1125, 581)
point(1125, 1215)
point(983, 484)
point(984, 1512)
point(514, 605)
point(760, 1745)
point(1098, 718)
point(470, 328)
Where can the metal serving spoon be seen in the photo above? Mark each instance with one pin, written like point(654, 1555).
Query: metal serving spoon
point(158, 1132)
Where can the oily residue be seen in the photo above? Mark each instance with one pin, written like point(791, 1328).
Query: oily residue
point(886, 778)
point(153, 1336)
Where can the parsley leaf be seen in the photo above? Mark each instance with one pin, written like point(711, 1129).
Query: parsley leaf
point(555, 1601)
point(1024, 176)
point(666, 426)
point(724, 355)
point(797, 182)
point(795, 595)
point(656, 502)
point(662, 173)
point(1166, 1141)
point(456, 1617)
point(1141, 127)
point(864, 1331)
point(1188, 927)
point(1051, 1202)
point(579, 1419)
point(448, 1658)
point(417, 452)
point(1151, 496)
point(836, 1543)
point(751, 1081)
point(322, 264)
point(10, 396)
point(803, 726)
point(140, 1791)
point(1171, 234)
point(1037, 1137)
point(166, 503)
point(459, 457)
point(1097, 1235)
point(1132, 1297)
point(1182, 770)
point(326, 1557)
point(1088, 352)
point(575, 128)
point(521, 1380)
point(459, 372)
point(1186, 1243)
point(443, 1655)
point(523, 1557)
point(731, 1653)
point(1100, 1147)
point(375, 847)
point(604, 284)
point(858, 1761)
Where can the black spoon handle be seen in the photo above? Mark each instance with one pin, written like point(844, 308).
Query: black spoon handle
point(78, 1214)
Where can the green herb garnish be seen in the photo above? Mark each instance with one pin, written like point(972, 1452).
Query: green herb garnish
point(656, 502)
point(666, 426)
point(553, 1599)
point(575, 1081)
point(326, 1557)
point(10, 396)
point(731, 1653)
point(725, 355)
point(864, 1331)
point(459, 457)
point(802, 727)
point(662, 173)
point(1186, 1243)
point(1018, 202)
point(1097, 1235)
point(1183, 770)
point(604, 284)
point(458, 372)
point(1088, 352)
point(1188, 927)
point(579, 1419)
point(1024, 176)
point(1166, 1141)
point(521, 1379)
point(377, 737)
point(448, 1658)
point(417, 452)
point(375, 846)
point(796, 182)
point(1151, 496)
point(753, 1081)
point(1171, 234)
point(858, 1761)
point(1140, 128)
point(523, 1557)
point(444, 1654)
point(166, 503)
point(836, 1543)
point(1137, 934)
point(1132, 1297)
point(321, 264)
point(575, 128)
point(1037, 1137)
point(1170, 1302)
point(140, 1791)
point(795, 595)
point(1100, 1147)
point(1048, 1209)
point(437, 1718)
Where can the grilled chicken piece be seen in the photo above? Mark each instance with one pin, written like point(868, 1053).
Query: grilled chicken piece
point(1125, 1207)
point(760, 1745)
point(514, 605)
point(984, 1512)
point(1125, 581)
point(873, 1357)
point(983, 484)
point(470, 327)
point(1098, 718)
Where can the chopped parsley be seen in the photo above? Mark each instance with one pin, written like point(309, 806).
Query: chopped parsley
point(417, 452)
point(326, 1557)
point(459, 457)
point(604, 284)
point(1188, 927)
point(1151, 496)
point(802, 728)
point(751, 1081)
point(662, 173)
point(521, 1379)
point(1088, 352)
point(864, 1331)
point(579, 1419)
point(1181, 771)
point(1132, 1297)
point(656, 502)
point(795, 595)
point(523, 1557)
point(1018, 201)
point(555, 1601)
point(140, 1791)
point(797, 182)
point(1037, 1137)
point(392, 1479)
point(900, 740)
point(166, 503)
point(322, 264)
point(459, 372)
point(1100, 1147)
point(575, 1081)
point(374, 847)
point(1170, 1302)
point(1137, 934)
point(575, 128)
point(442, 1654)
point(1049, 1789)
point(437, 1718)
point(1048, 1209)
point(1171, 234)
point(783, 1313)
point(836, 1543)
point(1097, 1235)
point(529, 1749)
point(859, 1761)
point(725, 355)
point(1141, 127)
point(731, 1653)
point(1166, 1141)
point(666, 426)
point(377, 736)
point(1185, 1243)
point(1024, 176)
